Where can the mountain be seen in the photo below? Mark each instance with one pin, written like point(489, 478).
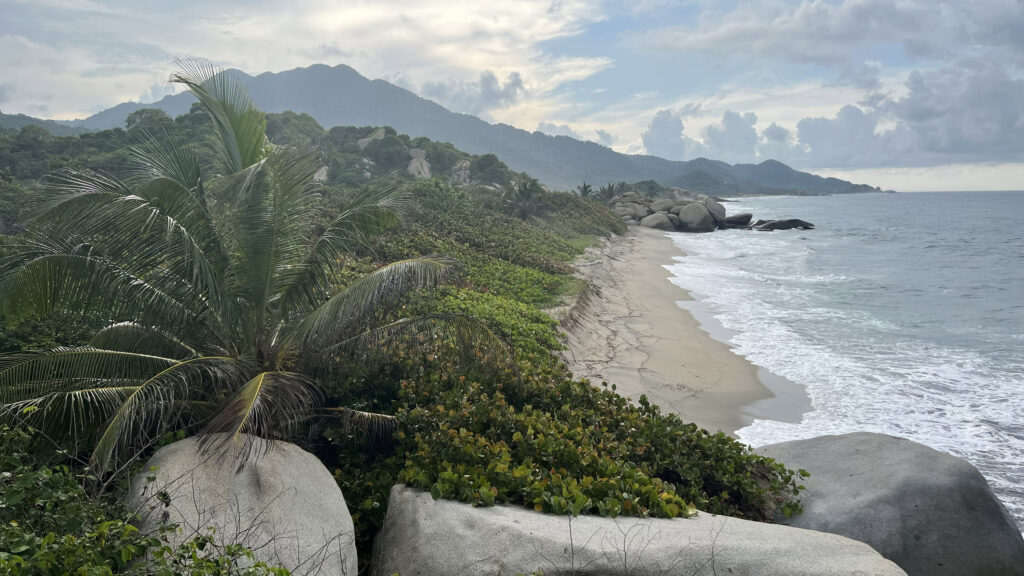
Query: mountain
point(340, 96)
point(16, 122)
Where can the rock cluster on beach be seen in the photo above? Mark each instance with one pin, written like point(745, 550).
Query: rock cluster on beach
point(874, 504)
point(688, 211)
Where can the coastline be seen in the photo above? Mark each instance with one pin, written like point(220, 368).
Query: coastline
point(638, 330)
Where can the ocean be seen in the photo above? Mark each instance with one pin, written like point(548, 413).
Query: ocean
point(900, 313)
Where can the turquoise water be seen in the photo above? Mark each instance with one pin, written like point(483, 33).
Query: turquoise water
point(900, 313)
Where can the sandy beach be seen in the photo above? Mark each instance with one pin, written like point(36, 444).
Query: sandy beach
point(632, 330)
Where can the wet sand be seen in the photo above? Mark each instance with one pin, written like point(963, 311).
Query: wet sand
point(633, 329)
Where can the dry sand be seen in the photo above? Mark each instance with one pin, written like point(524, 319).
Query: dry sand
point(630, 331)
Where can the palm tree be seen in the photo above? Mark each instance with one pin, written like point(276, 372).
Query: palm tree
point(524, 196)
point(584, 190)
point(217, 294)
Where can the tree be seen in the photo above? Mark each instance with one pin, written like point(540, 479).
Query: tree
point(523, 197)
point(217, 294)
point(584, 190)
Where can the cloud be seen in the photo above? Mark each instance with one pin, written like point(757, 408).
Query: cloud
point(969, 111)
point(5, 91)
point(734, 139)
point(664, 137)
point(446, 42)
point(552, 129)
point(777, 143)
point(820, 32)
point(476, 97)
point(605, 137)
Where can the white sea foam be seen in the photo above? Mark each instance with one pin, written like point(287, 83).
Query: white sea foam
point(863, 371)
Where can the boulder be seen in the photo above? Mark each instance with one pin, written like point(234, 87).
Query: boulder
point(785, 225)
point(418, 166)
point(377, 134)
point(761, 222)
point(696, 218)
point(716, 210)
point(281, 503)
point(659, 221)
point(426, 537)
point(630, 209)
point(931, 513)
point(679, 208)
point(662, 204)
point(460, 172)
point(739, 219)
point(674, 220)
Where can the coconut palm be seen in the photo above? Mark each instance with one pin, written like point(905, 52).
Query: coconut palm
point(523, 198)
point(216, 293)
point(584, 190)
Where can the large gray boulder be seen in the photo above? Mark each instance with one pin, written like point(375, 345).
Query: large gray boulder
point(282, 503)
point(716, 210)
point(739, 219)
point(659, 221)
point(696, 218)
point(426, 537)
point(662, 204)
point(635, 211)
point(929, 512)
point(418, 166)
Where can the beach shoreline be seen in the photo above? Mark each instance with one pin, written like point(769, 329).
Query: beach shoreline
point(636, 329)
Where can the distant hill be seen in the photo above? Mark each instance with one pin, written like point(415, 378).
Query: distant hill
point(15, 122)
point(340, 96)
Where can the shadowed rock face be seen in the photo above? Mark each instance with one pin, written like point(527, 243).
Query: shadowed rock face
point(930, 512)
point(283, 504)
point(426, 537)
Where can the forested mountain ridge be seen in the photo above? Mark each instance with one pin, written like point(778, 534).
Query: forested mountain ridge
point(340, 96)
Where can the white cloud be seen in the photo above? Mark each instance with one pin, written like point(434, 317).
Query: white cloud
point(605, 137)
point(476, 97)
point(820, 32)
point(664, 137)
point(421, 41)
point(552, 129)
point(734, 139)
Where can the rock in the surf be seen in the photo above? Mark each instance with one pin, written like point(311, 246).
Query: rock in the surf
point(716, 210)
point(932, 513)
point(696, 218)
point(739, 219)
point(788, 224)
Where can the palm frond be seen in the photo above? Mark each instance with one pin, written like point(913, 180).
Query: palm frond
point(133, 337)
point(46, 276)
point(239, 123)
point(269, 405)
point(163, 401)
point(274, 224)
point(375, 425)
point(25, 375)
point(350, 309)
point(369, 212)
point(69, 409)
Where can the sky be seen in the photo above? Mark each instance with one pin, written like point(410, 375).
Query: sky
point(903, 94)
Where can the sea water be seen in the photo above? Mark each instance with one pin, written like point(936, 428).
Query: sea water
point(900, 313)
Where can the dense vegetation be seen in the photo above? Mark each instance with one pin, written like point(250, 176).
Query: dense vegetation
point(465, 418)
